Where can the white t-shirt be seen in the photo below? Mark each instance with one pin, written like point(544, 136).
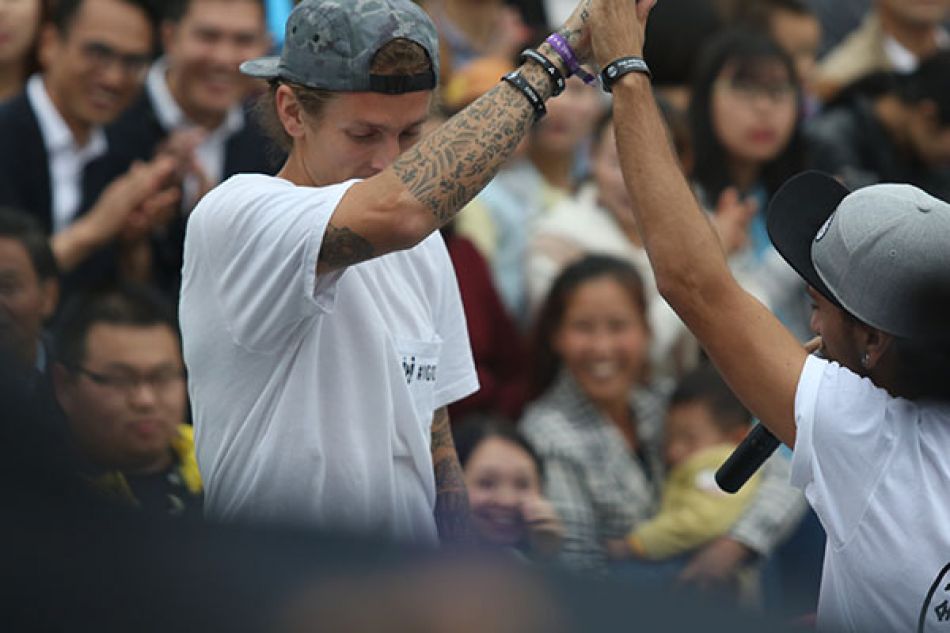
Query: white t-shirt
point(313, 396)
point(876, 469)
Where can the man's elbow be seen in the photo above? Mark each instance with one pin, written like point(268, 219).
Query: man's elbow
point(690, 291)
point(406, 222)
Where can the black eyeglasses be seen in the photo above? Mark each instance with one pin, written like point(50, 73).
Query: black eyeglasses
point(103, 56)
point(159, 381)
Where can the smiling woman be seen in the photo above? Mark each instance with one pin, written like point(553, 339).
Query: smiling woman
point(19, 27)
point(503, 477)
point(595, 423)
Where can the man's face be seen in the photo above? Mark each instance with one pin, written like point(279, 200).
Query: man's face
point(917, 12)
point(836, 330)
point(206, 48)
point(126, 400)
point(95, 69)
point(361, 133)
point(25, 300)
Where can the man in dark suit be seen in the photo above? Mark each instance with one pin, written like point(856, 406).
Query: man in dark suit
point(56, 162)
point(192, 108)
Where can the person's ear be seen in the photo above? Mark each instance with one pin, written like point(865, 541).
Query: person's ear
point(290, 111)
point(167, 33)
point(62, 380)
point(50, 42)
point(50, 289)
point(874, 344)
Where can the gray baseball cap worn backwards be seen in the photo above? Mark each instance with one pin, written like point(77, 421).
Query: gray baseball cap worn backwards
point(881, 253)
point(330, 45)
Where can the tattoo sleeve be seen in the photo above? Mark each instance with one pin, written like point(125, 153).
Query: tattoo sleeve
point(451, 505)
point(445, 170)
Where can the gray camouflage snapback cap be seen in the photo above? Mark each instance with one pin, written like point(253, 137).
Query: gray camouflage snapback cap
point(330, 44)
point(882, 252)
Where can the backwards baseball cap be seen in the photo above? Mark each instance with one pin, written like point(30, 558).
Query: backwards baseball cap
point(881, 253)
point(330, 45)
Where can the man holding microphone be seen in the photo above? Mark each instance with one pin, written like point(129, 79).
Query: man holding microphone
point(870, 426)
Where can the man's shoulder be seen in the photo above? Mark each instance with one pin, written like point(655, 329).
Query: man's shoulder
point(18, 120)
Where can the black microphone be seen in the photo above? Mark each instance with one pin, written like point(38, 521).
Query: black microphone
point(751, 453)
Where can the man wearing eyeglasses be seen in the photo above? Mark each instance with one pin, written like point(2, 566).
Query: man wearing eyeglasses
point(120, 380)
point(193, 108)
point(55, 159)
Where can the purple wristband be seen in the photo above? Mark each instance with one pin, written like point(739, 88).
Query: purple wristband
point(559, 44)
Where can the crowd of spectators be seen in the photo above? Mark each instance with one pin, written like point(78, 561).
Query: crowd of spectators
point(117, 116)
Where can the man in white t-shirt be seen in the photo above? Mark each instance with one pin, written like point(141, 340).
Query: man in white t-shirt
point(870, 426)
point(322, 326)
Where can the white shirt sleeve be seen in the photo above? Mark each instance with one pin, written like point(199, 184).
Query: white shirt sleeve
point(843, 443)
point(457, 377)
point(262, 237)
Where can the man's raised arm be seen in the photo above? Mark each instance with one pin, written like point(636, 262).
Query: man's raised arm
point(429, 184)
point(758, 357)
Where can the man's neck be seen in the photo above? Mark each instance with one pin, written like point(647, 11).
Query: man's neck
point(744, 174)
point(81, 130)
point(203, 118)
point(11, 80)
point(554, 168)
point(920, 39)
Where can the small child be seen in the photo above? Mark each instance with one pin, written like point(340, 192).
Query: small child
point(704, 424)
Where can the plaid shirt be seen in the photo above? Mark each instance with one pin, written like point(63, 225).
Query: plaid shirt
point(601, 490)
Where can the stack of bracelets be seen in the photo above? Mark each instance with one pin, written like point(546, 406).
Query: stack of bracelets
point(608, 77)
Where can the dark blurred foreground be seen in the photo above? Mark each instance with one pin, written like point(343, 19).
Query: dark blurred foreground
point(69, 562)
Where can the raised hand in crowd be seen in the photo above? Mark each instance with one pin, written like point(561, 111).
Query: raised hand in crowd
point(545, 530)
point(182, 146)
point(133, 204)
point(731, 219)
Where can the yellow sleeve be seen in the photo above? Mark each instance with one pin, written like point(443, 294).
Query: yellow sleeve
point(184, 447)
point(694, 510)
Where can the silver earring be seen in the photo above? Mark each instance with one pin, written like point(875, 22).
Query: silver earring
point(865, 360)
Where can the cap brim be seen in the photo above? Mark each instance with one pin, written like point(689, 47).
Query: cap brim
point(796, 213)
point(262, 68)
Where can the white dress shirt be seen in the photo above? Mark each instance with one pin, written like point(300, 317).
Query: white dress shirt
point(66, 159)
point(210, 153)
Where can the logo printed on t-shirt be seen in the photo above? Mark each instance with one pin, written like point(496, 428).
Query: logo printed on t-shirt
point(418, 370)
point(936, 609)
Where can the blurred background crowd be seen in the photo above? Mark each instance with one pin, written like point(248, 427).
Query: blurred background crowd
point(592, 441)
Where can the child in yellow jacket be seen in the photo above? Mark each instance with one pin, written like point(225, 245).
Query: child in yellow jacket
point(704, 424)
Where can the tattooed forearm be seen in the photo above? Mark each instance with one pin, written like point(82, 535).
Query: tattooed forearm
point(447, 169)
point(451, 505)
point(343, 247)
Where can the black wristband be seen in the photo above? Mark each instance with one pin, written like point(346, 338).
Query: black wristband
point(620, 67)
point(537, 103)
point(557, 77)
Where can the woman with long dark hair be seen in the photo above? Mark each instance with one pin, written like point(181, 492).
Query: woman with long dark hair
point(503, 477)
point(745, 118)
